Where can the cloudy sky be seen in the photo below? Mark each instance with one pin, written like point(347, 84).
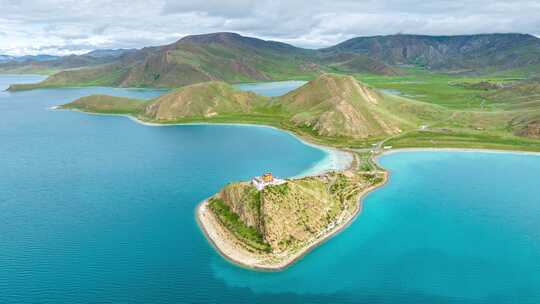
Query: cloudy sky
point(64, 27)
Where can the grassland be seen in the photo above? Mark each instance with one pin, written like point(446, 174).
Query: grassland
point(438, 88)
point(482, 111)
point(431, 110)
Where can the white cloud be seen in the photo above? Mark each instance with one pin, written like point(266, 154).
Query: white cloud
point(67, 26)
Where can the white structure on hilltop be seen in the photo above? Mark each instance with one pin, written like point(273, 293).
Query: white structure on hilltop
point(266, 179)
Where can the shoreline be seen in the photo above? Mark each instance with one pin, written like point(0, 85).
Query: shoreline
point(340, 158)
point(335, 159)
point(462, 150)
point(202, 216)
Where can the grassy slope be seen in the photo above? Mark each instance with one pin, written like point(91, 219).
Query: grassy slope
point(202, 100)
point(451, 116)
point(284, 217)
point(107, 105)
point(317, 104)
point(480, 117)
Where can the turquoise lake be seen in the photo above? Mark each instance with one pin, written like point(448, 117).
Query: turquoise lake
point(100, 209)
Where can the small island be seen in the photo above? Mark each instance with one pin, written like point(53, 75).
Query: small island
point(269, 223)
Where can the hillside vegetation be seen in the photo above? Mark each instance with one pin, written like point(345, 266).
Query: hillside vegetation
point(340, 111)
point(336, 105)
point(332, 107)
point(107, 105)
point(202, 100)
point(287, 217)
point(523, 99)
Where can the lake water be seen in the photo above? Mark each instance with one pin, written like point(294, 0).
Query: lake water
point(272, 89)
point(100, 209)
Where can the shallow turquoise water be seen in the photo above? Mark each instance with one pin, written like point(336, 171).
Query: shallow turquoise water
point(100, 209)
point(449, 227)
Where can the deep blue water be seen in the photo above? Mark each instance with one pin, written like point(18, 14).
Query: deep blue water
point(100, 209)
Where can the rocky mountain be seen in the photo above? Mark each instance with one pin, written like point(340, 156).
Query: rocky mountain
point(217, 57)
point(233, 58)
point(227, 57)
point(468, 52)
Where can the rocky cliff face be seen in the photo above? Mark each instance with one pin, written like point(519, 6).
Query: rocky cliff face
point(244, 200)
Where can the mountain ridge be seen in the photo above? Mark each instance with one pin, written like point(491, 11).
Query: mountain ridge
point(233, 58)
point(446, 52)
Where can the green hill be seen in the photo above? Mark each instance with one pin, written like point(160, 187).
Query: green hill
point(203, 100)
point(339, 106)
point(337, 110)
point(288, 217)
point(107, 105)
point(331, 106)
point(522, 99)
point(519, 95)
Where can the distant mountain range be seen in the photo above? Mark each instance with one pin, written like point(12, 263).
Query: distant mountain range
point(27, 58)
point(470, 52)
point(233, 58)
point(50, 63)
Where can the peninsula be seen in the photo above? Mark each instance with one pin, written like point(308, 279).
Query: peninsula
point(271, 228)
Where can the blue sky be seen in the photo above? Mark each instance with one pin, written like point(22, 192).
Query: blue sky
point(65, 27)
